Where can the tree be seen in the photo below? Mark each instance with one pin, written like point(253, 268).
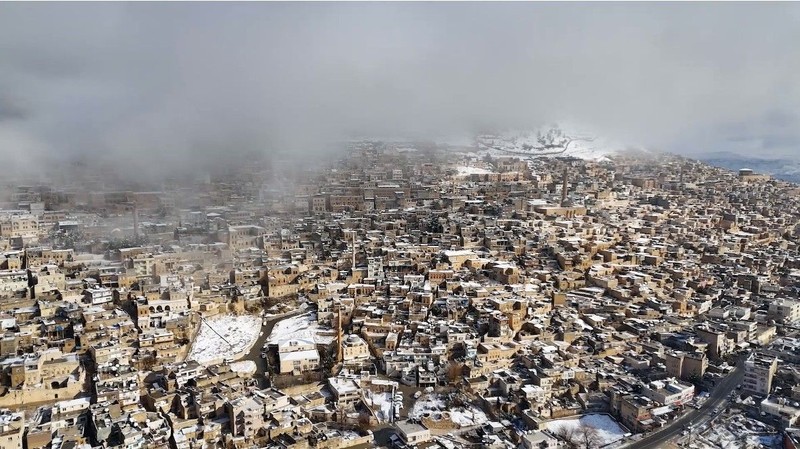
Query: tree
point(568, 435)
point(695, 379)
point(588, 436)
point(584, 436)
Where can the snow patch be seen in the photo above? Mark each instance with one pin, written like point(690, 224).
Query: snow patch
point(550, 143)
point(738, 431)
point(608, 431)
point(461, 416)
point(382, 404)
point(302, 327)
point(240, 331)
point(244, 367)
point(466, 171)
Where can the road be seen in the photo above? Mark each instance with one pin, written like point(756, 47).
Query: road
point(255, 351)
point(696, 417)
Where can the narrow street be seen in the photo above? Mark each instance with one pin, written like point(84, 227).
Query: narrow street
point(255, 352)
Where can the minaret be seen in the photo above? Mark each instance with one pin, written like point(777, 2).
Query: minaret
point(266, 284)
point(354, 252)
point(564, 189)
point(135, 222)
point(340, 348)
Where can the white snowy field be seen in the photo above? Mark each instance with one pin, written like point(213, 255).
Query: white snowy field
point(461, 416)
point(607, 429)
point(584, 145)
point(464, 171)
point(301, 327)
point(244, 367)
point(241, 331)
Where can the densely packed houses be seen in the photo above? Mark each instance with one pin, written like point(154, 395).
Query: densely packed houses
point(406, 295)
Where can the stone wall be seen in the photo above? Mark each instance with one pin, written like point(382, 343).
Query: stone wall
point(15, 399)
point(438, 420)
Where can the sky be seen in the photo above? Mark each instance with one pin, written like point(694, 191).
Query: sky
point(154, 86)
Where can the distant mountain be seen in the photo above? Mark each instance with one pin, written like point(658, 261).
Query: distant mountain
point(781, 168)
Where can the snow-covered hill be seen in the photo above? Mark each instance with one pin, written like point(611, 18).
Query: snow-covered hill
point(552, 142)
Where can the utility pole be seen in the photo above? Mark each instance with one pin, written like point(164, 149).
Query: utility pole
point(214, 330)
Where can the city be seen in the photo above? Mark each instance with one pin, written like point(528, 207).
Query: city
point(408, 295)
point(399, 225)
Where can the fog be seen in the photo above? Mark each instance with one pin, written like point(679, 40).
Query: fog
point(159, 87)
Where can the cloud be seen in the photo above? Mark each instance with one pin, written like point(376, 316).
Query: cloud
point(164, 86)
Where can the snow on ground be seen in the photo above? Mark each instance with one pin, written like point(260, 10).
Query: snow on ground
point(427, 403)
point(468, 417)
point(738, 431)
point(281, 309)
point(244, 367)
point(300, 327)
point(586, 146)
point(241, 331)
point(381, 403)
point(466, 171)
point(607, 429)
point(349, 435)
point(767, 440)
point(461, 416)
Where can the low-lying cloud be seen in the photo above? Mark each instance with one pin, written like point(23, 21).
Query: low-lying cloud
point(157, 87)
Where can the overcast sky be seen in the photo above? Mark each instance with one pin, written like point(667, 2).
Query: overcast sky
point(164, 81)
